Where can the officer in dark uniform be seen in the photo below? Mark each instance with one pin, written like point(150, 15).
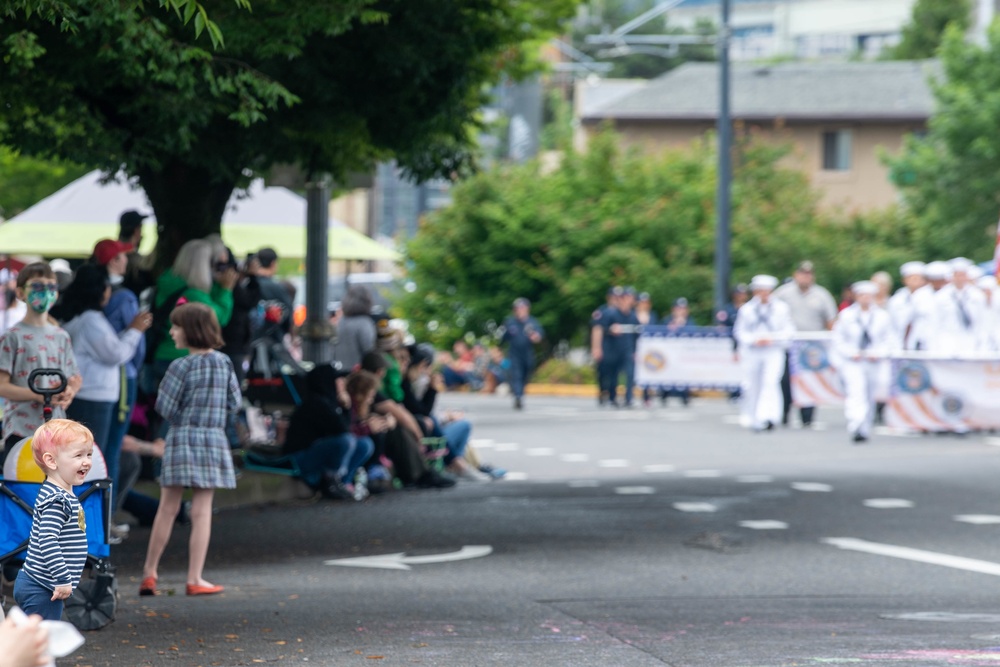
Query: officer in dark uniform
point(521, 332)
point(600, 344)
point(628, 341)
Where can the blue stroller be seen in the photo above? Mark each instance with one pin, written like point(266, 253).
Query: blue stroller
point(93, 603)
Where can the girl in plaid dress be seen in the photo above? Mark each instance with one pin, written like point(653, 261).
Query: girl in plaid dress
point(195, 397)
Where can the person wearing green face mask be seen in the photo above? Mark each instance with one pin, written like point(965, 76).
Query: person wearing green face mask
point(32, 343)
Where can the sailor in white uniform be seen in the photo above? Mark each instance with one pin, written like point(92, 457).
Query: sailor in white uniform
point(906, 307)
point(959, 313)
point(763, 328)
point(862, 337)
point(990, 331)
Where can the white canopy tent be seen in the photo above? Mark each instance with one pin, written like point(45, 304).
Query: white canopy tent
point(69, 222)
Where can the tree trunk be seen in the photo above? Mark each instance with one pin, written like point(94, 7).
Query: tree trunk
point(188, 203)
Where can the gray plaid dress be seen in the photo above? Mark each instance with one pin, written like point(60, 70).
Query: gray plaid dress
point(197, 394)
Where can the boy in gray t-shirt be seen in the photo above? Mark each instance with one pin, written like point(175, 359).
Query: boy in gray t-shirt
point(34, 343)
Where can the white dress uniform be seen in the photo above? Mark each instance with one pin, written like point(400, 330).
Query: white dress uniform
point(868, 334)
point(762, 364)
point(989, 333)
point(906, 308)
point(958, 317)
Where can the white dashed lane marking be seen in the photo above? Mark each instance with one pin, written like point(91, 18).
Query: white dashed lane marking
point(888, 503)
point(634, 490)
point(540, 451)
point(507, 446)
point(764, 524)
point(812, 487)
point(754, 479)
point(978, 519)
point(658, 467)
point(695, 507)
point(516, 476)
point(702, 473)
point(575, 458)
point(613, 463)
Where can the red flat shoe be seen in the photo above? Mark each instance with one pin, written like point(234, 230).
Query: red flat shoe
point(195, 589)
point(148, 586)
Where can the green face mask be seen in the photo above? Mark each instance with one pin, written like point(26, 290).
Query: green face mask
point(40, 300)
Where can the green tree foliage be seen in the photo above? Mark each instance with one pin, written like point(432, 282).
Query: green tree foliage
point(612, 217)
point(332, 86)
point(950, 177)
point(923, 34)
point(24, 181)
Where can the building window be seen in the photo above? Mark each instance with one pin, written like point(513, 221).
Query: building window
point(837, 150)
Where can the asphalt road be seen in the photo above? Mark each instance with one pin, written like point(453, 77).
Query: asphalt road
point(649, 537)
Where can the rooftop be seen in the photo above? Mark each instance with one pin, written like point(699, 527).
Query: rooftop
point(891, 90)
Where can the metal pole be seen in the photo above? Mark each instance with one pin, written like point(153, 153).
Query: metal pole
point(317, 330)
point(722, 200)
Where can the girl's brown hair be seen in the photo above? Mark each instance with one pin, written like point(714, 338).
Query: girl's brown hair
point(200, 325)
point(359, 383)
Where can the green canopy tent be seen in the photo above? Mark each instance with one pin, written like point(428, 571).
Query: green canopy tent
point(69, 222)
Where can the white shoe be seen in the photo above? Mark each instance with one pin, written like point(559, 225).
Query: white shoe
point(472, 475)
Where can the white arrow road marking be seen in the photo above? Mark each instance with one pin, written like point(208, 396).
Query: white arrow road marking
point(888, 503)
point(754, 479)
point(918, 555)
point(764, 524)
point(695, 507)
point(702, 473)
point(401, 561)
point(634, 490)
point(978, 519)
point(812, 487)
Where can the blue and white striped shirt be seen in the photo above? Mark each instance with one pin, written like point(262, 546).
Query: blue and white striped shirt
point(57, 550)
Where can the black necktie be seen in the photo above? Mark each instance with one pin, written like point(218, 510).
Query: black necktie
point(866, 340)
point(963, 314)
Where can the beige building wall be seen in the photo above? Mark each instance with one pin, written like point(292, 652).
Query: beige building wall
point(865, 186)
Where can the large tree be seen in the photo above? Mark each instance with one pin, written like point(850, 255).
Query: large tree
point(332, 86)
point(605, 217)
point(922, 35)
point(950, 176)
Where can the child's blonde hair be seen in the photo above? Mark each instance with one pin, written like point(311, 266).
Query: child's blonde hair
point(56, 434)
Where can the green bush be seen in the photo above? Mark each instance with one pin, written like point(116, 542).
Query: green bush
point(561, 371)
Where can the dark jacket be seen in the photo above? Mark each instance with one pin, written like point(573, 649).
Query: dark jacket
point(321, 415)
point(237, 334)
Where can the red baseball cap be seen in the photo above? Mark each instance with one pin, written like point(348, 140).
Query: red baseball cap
point(107, 249)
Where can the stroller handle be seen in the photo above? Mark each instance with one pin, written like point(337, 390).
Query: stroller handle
point(47, 392)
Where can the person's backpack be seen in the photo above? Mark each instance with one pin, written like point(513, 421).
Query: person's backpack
point(157, 332)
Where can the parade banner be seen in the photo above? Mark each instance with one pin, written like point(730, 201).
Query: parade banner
point(941, 395)
point(688, 358)
point(814, 379)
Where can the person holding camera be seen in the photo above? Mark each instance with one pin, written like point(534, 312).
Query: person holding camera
point(276, 302)
point(238, 334)
point(203, 272)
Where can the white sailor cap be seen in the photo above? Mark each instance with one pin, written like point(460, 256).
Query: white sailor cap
point(974, 272)
point(987, 282)
point(937, 271)
point(912, 269)
point(763, 281)
point(960, 264)
point(864, 287)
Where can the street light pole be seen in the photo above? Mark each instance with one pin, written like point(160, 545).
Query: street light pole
point(724, 129)
point(317, 330)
